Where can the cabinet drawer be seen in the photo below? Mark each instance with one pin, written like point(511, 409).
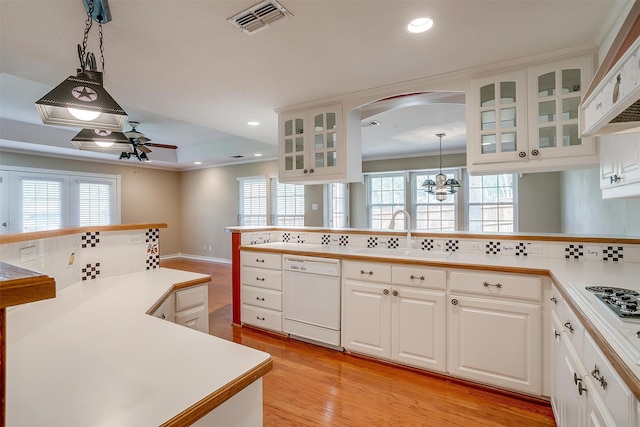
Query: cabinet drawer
point(504, 285)
point(419, 276)
point(367, 271)
point(259, 297)
point(617, 397)
point(262, 317)
point(190, 297)
point(556, 302)
point(572, 328)
point(261, 260)
point(262, 278)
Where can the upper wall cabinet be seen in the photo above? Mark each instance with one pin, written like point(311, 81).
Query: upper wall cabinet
point(527, 120)
point(315, 146)
point(620, 165)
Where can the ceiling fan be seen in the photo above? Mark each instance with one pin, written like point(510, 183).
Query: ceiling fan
point(140, 144)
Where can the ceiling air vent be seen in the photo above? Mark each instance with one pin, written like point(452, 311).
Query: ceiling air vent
point(258, 17)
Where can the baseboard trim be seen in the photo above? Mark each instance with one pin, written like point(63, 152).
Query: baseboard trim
point(196, 257)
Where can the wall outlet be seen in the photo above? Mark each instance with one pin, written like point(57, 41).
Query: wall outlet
point(204, 247)
point(28, 253)
point(136, 239)
point(210, 247)
point(534, 248)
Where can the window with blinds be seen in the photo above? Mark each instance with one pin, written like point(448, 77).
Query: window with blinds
point(386, 194)
point(287, 203)
point(252, 201)
point(431, 214)
point(336, 205)
point(94, 202)
point(492, 203)
point(41, 204)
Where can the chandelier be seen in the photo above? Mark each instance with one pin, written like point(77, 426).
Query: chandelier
point(442, 186)
point(81, 100)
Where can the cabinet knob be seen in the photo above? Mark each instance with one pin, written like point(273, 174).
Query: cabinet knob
point(522, 154)
point(497, 285)
point(615, 178)
point(394, 293)
point(386, 292)
point(310, 170)
point(554, 300)
point(535, 152)
point(162, 316)
point(454, 301)
point(305, 171)
point(556, 333)
point(412, 277)
point(370, 273)
point(569, 326)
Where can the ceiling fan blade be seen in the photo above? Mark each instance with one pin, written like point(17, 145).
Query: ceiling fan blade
point(143, 139)
point(144, 149)
point(151, 144)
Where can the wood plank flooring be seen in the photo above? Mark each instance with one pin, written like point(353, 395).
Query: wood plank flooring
point(314, 386)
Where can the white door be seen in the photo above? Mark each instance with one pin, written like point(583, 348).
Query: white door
point(418, 331)
point(496, 342)
point(313, 299)
point(366, 318)
point(573, 404)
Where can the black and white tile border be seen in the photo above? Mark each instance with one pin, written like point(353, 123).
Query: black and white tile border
point(393, 242)
point(152, 235)
point(427, 244)
point(451, 245)
point(372, 242)
point(90, 239)
point(521, 249)
point(91, 271)
point(286, 237)
point(574, 252)
point(492, 248)
point(326, 239)
point(343, 240)
point(153, 261)
point(612, 253)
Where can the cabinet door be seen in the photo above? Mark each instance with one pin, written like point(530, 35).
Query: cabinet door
point(554, 95)
point(293, 135)
point(194, 318)
point(366, 318)
point(556, 369)
point(573, 404)
point(496, 117)
point(325, 145)
point(496, 342)
point(418, 328)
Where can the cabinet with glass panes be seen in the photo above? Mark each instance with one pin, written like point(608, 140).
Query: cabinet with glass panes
point(312, 145)
point(527, 120)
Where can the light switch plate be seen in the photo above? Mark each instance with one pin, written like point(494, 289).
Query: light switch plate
point(28, 253)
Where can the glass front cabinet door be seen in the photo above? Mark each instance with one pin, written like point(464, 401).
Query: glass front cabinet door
point(310, 144)
point(555, 91)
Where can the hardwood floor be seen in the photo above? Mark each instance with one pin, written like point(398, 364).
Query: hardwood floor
point(314, 386)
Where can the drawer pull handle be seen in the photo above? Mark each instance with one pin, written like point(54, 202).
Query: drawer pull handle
point(554, 300)
point(412, 277)
point(497, 285)
point(569, 326)
point(556, 333)
point(370, 273)
point(600, 378)
point(162, 316)
point(260, 299)
point(394, 293)
point(260, 279)
point(259, 260)
point(259, 318)
point(386, 292)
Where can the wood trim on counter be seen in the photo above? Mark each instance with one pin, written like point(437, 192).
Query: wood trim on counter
point(217, 398)
point(21, 237)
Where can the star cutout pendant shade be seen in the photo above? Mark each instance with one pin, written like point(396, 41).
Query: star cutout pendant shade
point(79, 94)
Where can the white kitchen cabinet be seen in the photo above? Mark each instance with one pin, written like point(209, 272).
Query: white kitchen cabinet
point(261, 278)
point(526, 120)
point(319, 145)
point(493, 339)
point(620, 165)
point(400, 323)
point(191, 308)
point(166, 309)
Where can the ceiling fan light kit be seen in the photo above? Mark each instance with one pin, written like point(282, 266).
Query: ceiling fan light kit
point(81, 100)
point(88, 139)
point(439, 186)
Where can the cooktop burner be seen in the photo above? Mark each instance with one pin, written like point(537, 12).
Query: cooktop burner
point(623, 302)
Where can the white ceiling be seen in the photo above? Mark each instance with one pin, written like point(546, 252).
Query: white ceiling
point(193, 80)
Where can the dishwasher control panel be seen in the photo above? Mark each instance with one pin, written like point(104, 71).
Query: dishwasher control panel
point(310, 265)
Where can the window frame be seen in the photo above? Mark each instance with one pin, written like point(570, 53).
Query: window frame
point(333, 198)
point(431, 198)
point(394, 206)
point(272, 188)
point(241, 199)
point(514, 204)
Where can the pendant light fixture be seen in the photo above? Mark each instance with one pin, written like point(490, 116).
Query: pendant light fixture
point(81, 100)
point(442, 186)
point(92, 139)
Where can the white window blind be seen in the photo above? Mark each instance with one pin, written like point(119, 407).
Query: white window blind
point(492, 206)
point(336, 205)
point(386, 194)
point(431, 214)
point(287, 203)
point(252, 201)
point(41, 204)
point(94, 203)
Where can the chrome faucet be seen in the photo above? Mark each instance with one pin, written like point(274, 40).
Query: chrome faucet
point(407, 218)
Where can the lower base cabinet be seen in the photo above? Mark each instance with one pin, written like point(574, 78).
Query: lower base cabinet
point(192, 308)
point(394, 322)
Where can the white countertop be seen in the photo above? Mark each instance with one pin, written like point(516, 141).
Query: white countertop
point(92, 357)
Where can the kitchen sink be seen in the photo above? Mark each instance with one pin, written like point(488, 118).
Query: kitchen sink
point(399, 252)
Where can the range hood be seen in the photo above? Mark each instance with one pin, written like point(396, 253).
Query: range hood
point(611, 104)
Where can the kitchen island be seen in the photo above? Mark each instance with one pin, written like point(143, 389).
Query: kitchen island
point(93, 356)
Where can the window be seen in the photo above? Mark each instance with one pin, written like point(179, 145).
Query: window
point(285, 202)
point(491, 201)
point(252, 201)
point(41, 199)
point(336, 205)
point(386, 194)
point(431, 214)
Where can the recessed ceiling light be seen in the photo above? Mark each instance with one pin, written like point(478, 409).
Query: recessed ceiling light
point(253, 123)
point(197, 163)
point(420, 25)
point(257, 155)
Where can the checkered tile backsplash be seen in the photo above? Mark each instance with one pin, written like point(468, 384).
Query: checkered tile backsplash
point(90, 271)
point(574, 252)
point(612, 253)
point(90, 239)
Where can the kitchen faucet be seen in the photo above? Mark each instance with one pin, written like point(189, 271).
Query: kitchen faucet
point(407, 218)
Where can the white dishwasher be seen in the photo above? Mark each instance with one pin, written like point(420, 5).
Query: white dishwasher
point(311, 295)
